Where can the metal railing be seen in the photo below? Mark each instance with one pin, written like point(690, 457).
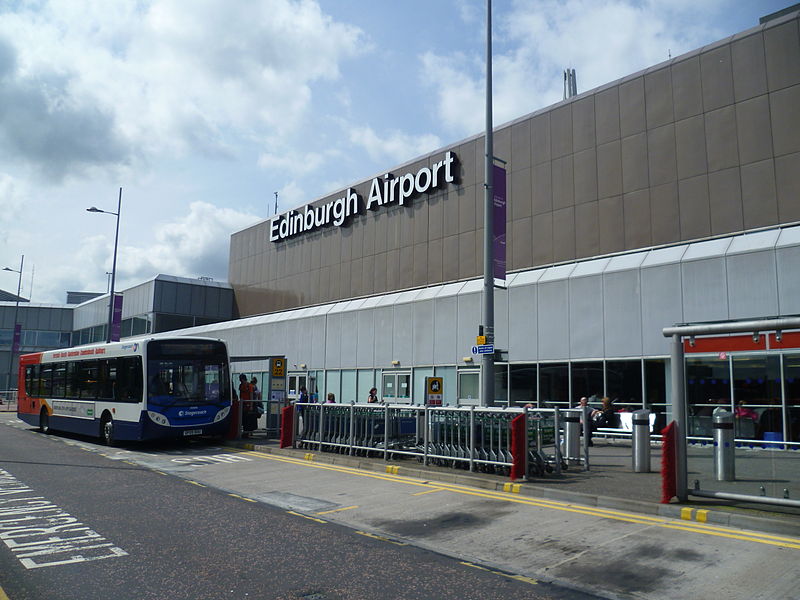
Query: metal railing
point(462, 437)
point(8, 400)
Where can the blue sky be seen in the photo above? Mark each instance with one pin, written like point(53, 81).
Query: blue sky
point(202, 109)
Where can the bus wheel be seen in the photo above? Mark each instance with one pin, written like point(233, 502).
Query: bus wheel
point(107, 430)
point(44, 421)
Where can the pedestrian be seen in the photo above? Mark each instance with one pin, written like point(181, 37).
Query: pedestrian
point(249, 418)
point(373, 396)
point(331, 398)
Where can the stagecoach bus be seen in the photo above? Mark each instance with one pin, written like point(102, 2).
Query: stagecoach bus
point(131, 390)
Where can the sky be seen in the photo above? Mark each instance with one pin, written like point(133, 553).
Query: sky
point(201, 110)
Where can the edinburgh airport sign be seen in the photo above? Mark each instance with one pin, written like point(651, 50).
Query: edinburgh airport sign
point(384, 191)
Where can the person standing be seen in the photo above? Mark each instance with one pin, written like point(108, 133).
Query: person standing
point(373, 396)
point(248, 412)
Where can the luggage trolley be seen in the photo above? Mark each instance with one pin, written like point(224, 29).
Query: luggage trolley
point(541, 434)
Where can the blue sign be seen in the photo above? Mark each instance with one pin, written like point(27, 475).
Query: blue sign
point(483, 349)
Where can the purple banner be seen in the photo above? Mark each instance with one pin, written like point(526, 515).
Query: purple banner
point(499, 233)
point(116, 319)
point(17, 335)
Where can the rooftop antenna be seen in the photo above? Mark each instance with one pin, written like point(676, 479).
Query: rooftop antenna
point(276, 203)
point(570, 84)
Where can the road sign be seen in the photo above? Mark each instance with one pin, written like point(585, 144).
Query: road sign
point(483, 349)
point(278, 367)
point(434, 387)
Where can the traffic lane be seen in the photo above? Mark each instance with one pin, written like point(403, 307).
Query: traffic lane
point(537, 537)
point(197, 542)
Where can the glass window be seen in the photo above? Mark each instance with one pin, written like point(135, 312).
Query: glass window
point(72, 387)
point(757, 393)
point(708, 387)
point(332, 381)
point(449, 377)
point(587, 380)
point(28, 338)
point(366, 381)
point(50, 339)
point(624, 383)
point(64, 339)
point(553, 385)
point(469, 387)
point(791, 373)
point(45, 389)
point(404, 387)
point(500, 384)
point(128, 379)
point(419, 384)
point(655, 381)
point(87, 379)
point(348, 387)
point(59, 380)
point(5, 337)
point(389, 387)
point(523, 384)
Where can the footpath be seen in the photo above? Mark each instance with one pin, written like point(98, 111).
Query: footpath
point(610, 482)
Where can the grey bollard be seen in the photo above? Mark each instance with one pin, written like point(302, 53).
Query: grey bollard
point(572, 434)
point(640, 441)
point(723, 445)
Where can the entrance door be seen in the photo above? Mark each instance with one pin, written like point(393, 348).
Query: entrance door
point(296, 381)
point(396, 388)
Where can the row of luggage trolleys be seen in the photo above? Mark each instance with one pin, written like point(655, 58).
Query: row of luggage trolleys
point(460, 437)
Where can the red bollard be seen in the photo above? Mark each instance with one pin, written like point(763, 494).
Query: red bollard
point(287, 426)
point(233, 424)
point(518, 447)
point(668, 475)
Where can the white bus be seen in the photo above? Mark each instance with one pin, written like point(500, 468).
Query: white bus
point(132, 390)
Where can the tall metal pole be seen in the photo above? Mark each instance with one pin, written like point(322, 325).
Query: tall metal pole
point(679, 416)
point(487, 360)
point(113, 271)
point(14, 330)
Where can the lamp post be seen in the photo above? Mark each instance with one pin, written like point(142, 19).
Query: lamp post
point(16, 314)
point(94, 209)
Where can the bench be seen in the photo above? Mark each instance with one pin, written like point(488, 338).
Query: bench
point(625, 425)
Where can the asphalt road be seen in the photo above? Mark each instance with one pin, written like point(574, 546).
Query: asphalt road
point(77, 522)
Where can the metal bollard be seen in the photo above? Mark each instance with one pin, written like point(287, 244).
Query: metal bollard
point(640, 439)
point(572, 434)
point(723, 445)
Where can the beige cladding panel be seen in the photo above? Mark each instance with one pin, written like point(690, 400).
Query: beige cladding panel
point(705, 144)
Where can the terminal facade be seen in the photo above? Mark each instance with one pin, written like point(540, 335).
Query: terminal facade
point(669, 196)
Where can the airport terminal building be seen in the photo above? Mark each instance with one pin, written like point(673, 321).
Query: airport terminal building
point(669, 196)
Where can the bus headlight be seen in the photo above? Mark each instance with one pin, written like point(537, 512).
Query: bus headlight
point(222, 414)
point(158, 418)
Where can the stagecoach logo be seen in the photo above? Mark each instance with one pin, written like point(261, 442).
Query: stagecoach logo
point(132, 347)
point(388, 190)
point(192, 413)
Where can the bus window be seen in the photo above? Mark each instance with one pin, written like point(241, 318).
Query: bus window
point(59, 380)
point(86, 382)
point(128, 379)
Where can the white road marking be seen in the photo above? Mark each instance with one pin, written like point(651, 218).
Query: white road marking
point(40, 534)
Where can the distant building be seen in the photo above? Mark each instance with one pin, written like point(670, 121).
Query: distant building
point(81, 297)
point(160, 304)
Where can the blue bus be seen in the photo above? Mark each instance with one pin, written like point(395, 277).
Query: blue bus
point(132, 390)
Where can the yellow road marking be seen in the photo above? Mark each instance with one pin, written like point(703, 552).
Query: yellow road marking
point(3, 595)
point(521, 578)
point(297, 514)
point(691, 526)
point(428, 492)
point(195, 483)
point(380, 537)
point(241, 497)
point(327, 512)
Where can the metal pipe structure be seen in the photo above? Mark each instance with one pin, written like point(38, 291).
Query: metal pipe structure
point(747, 498)
point(16, 315)
point(487, 360)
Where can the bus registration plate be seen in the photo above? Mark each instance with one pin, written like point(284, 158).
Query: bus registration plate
point(193, 432)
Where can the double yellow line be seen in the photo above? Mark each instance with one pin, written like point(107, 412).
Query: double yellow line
point(512, 495)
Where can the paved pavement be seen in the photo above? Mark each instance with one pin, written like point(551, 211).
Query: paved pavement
point(611, 483)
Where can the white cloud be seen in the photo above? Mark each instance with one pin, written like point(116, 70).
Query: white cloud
point(535, 42)
point(395, 145)
point(153, 78)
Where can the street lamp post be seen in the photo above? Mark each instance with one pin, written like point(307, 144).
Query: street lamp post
point(16, 314)
point(94, 209)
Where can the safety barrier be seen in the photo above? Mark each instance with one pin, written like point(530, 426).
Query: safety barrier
point(8, 400)
point(462, 437)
